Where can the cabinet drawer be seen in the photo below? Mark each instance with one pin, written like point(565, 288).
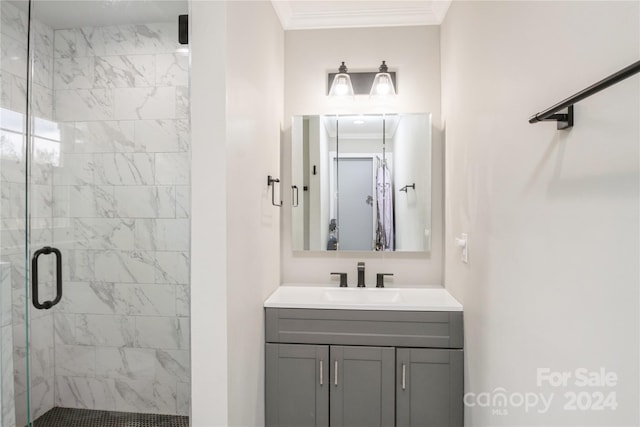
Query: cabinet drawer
point(440, 329)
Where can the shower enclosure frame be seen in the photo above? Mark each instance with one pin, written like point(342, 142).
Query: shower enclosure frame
point(163, 283)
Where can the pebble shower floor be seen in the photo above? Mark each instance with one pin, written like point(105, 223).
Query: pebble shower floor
point(66, 417)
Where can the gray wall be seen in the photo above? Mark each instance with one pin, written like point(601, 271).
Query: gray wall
point(254, 112)
point(414, 52)
point(237, 87)
point(552, 216)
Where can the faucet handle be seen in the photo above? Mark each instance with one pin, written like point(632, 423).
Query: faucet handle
point(380, 279)
point(361, 275)
point(343, 279)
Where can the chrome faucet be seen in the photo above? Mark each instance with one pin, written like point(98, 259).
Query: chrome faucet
point(361, 275)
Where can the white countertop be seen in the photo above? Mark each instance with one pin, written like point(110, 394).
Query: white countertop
point(324, 297)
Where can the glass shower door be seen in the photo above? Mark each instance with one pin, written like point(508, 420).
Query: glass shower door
point(95, 212)
point(14, 382)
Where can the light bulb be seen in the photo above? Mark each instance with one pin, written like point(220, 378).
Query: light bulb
point(383, 87)
point(341, 87)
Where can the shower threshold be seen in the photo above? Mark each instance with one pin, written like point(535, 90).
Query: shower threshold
point(68, 417)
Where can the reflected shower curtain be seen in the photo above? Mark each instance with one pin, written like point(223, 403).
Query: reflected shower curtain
point(384, 230)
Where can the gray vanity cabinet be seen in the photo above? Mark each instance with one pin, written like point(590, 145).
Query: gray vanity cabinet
point(304, 381)
point(362, 386)
point(297, 385)
point(430, 387)
point(358, 368)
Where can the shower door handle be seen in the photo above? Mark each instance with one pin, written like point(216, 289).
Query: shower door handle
point(34, 278)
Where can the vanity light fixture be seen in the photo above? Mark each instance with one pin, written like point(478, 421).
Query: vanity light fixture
point(379, 84)
point(341, 86)
point(382, 83)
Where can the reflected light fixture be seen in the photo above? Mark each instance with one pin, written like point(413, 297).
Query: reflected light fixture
point(341, 86)
point(382, 83)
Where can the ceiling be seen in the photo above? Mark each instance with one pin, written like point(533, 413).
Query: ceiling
point(293, 14)
point(315, 14)
point(98, 13)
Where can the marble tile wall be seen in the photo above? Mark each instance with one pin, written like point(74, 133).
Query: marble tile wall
point(110, 187)
point(13, 197)
point(121, 216)
point(7, 395)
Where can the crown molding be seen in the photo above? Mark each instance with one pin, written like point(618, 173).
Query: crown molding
point(440, 9)
point(284, 11)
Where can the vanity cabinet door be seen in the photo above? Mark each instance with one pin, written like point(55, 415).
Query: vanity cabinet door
point(429, 387)
point(297, 385)
point(362, 386)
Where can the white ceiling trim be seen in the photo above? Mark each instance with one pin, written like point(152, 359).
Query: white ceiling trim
point(440, 9)
point(284, 12)
point(422, 13)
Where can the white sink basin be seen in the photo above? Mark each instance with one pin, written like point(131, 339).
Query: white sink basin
point(320, 297)
point(361, 296)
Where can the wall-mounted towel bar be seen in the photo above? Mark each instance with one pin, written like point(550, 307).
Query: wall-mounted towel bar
point(406, 187)
point(565, 121)
point(271, 183)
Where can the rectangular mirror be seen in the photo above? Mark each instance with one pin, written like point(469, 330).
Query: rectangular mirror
point(361, 182)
